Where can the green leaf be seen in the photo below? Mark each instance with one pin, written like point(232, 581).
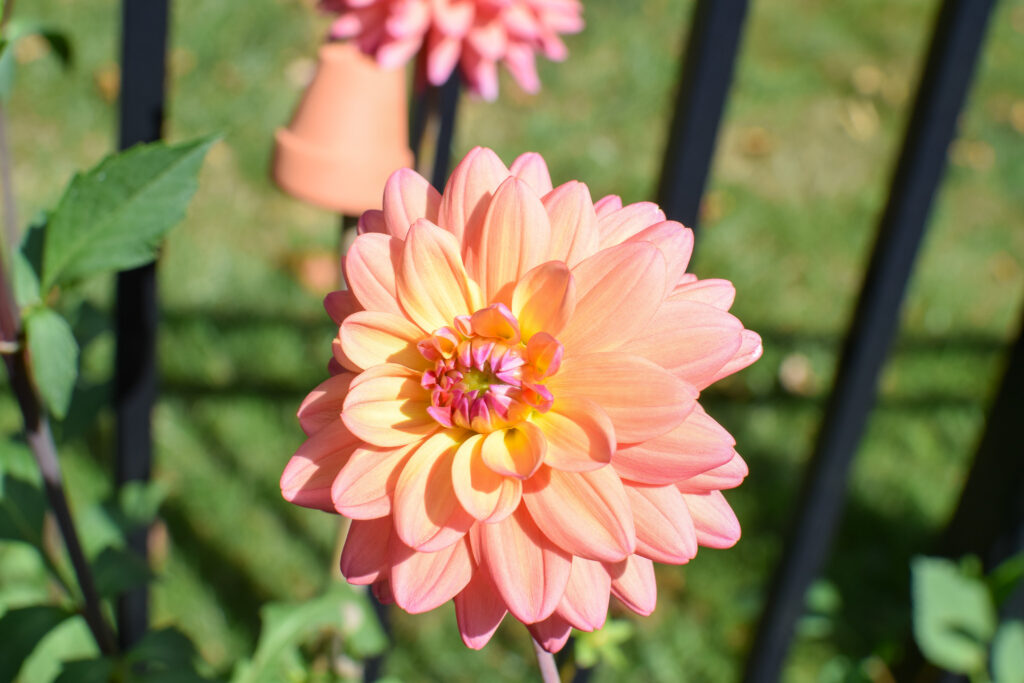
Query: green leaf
point(117, 570)
point(1008, 653)
point(954, 618)
point(16, 30)
point(163, 656)
point(22, 509)
point(26, 281)
point(1005, 578)
point(114, 216)
point(54, 356)
point(20, 630)
point(87, 671)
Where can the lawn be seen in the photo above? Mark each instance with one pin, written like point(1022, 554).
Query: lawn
point(820, 101)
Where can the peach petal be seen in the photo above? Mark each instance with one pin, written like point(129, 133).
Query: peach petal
point(713, 292)
point(585, 603)
point(486, 495)
point(664, 529)
point(533, 170)
point(365, 555)
point(675, 243)
point(322, 406)
point(497, 322)
point(544, 299)
point(407, 197)
point(750, 350)
point(695, 446)
point(469, 189)
point(370, 338)
point(428, 516)
point(607, 205)
point(341, 304)
point(618, 226)
point(423, 581)
point(614, 296)
point(512, 238)
point(366, 484)
point(642, 399)
point(633, 583)
point(372, 220)
point(340, 358)
point(551, 633)
point(370, 271)
point(432, 284)
point(579, 433)
point(386, 406)
point(308, 476)
point(529, 572)
point(574, 235)
point(479, 610)
point(727, 476)
point(515, 452)
point(714, 520)
point(585, 513)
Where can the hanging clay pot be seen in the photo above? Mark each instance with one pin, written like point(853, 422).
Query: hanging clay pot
point(349, 133)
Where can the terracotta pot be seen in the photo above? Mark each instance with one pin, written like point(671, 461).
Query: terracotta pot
point(349, 133)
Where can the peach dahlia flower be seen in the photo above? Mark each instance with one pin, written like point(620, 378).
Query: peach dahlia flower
point(512, 420)
point(472, 34)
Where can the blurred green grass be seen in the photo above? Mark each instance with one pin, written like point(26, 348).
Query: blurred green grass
point(805, 155)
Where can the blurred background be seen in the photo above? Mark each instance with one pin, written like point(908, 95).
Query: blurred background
point(819, 104)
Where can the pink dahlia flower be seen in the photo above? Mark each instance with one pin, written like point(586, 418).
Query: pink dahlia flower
point(512, 420)
point(473, 34)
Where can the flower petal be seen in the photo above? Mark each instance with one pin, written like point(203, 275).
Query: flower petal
point(432, 284)
point(422, 581)
point(664, 529)
point(633, 583)
point(585, 513)
point(695, 446)
point(528, 570)
point(512, 238)
point(322, 406)
point(574, 235)
point(618, 290)
point(642, 399)
point(750, 350)
point(531, 168)
point(727, 476)
point(552, 633)
point(607, 204)
point(371, 338)
point(713, 292)
point(341, 304)
point(366, 484)
point(675, 242)
point(585, 603)
point(615, 227)
point(365, 555)
point(485, 494)
point(515, 452)
point(580, 435)
point(544, 299)
point(386, 406)
point(427, 513)
point(479, 610)
point(407, 197)
point(714, 520)
point(469, 189)
point(308, 476)
point(370, 271)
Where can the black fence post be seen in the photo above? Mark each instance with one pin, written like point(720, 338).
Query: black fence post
point(437, 105)
point(956, 41)
point(703, 85)
point(143, 47)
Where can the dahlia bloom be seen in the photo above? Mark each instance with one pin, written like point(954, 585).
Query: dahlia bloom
point(512, 417)
point(473, 34)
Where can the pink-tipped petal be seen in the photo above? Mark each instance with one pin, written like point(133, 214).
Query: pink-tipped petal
point(585, 513)
point(479, 610)
point(727, 476)
point(341, 304)
point(574, 235)
point(714, 520)
point(372, 220)
point(432, 284)
point(528, 570)
point(618, 226)
point(585, 603)
point(633, 583)
point(512, 238)
point(713, 292)
point(579, 433)
point(308, 477)
point(407, 197)
point(544, 299)
point(442, 57)
point(370, 271)
point(365, 485)
point(428, 516)
point(386, 406)
point(552, 633)
point(664, 529)
point(365, 555)
point(607, 205)
point(515, 452)
point(423, 581)
point(322, 406)
point(469, 191)
point(370, 338)
point(531, 168)
point(750, 350)
point(642, 399)
point(675, 243)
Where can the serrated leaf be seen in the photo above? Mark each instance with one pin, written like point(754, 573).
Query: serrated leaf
point(117, 570)
point(954, 618)
point(21, 630)
point(54, 356)
point(1008, 653)
point(114, 216)
point(22, 509)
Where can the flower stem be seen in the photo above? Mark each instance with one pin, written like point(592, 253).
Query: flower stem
point(546, 662)
point(40, 440)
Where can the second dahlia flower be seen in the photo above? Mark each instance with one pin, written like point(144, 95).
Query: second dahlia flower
point(474, 35)
point(512, 420)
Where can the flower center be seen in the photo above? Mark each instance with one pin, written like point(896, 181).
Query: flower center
point(485, 377)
